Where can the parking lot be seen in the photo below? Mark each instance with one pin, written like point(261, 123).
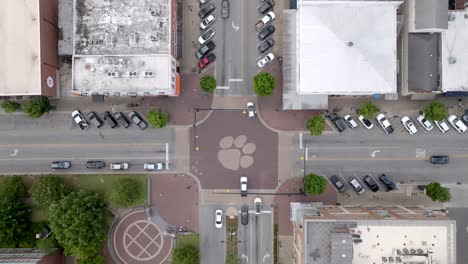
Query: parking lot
point(237, 42)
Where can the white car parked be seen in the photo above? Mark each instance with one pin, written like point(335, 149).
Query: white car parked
point(267, 59)
point(457, 123)
point(207, 21)
point(425, 123)
point(366, 122)
point(351, 122)
point(251, 110)
point(384, 123)
point(153, 166)
point(442, 126)
point(409, 125)
point(119, 166)
point(219, 218)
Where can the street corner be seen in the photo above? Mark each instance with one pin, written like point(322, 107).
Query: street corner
point(290, 191)
point(229, 145)
point(135, 239)
point(171, 191)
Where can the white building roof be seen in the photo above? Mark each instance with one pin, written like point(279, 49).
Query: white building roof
point(454, 46)
point(20, 69)
point(347, 47)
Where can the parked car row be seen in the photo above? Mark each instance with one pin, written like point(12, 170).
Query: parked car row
point(244, 213)
point(357, 186)
point(111, 120)
point(348, 121)
point(265, 32)
point(99, 164)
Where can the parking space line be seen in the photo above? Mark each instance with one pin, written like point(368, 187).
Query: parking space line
point(167, 156)
point(300, 140)
point(222, 87)
point(236, 80)
point(87, 158)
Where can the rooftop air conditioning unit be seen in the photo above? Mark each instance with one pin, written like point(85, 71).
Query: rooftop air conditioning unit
point(149, 74)
point(405, 251)
point(452, 60)
point(132, 74)
point(114, 74)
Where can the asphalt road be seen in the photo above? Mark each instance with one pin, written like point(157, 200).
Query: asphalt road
point(28, 146)
point(461, 216)
point(213, 249)
point(403, 157)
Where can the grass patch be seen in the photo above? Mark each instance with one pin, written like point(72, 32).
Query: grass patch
point(231, 241)
point(193, 240)
point(102, 184)
point(39, 214)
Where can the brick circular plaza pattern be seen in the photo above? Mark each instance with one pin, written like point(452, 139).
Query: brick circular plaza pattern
point(137, 240)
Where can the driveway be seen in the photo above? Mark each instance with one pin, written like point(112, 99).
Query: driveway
point(228, 145)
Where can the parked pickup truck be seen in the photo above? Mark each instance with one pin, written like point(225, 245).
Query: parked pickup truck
point(79, 120)
point(265, 21)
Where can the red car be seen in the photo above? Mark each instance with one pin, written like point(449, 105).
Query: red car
point(206, 60)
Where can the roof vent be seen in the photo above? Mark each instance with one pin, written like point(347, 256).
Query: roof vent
point(350, 43)
point(451, 17)
point(452, 60)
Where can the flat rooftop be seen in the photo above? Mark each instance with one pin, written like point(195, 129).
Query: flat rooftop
point(373, 241)
point(347, 47)
point(454, 53)
point(122, 27)
point(20, 69)
point(142, 75)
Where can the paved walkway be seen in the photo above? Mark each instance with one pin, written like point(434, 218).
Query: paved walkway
point(137, 240)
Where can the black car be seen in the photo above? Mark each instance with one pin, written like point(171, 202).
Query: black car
point(109, 119)
point(387, 182)
point(339, 123)
point(439, 159)
point(135, 117)
point(206, 10)
point(122, 119)
point(338, 183)
point(225, 9)
point(266, 45)
point(95, 119)
point(266, 32)
point(60, 165)
point(245, 215)
point(465, 117)
point(209, 46)
point(371, 183)
point(95, 164)
point(266, 7)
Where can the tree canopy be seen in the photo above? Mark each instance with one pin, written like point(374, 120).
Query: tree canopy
point(78, 223)
point(368, 110)
point(435, 111)
point(208, 83)
point(48, 190)
point(315, 184)
point(12, 188)
point(125, 191)
point(15, 221)
point(10, 106)
point(186, 254)
point(36, 107)
point(264, 84)
point(437, 192)
point(316, 125)
point(157, 119)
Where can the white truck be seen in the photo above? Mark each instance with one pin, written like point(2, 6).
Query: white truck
point(79, 120)
point(265, 21)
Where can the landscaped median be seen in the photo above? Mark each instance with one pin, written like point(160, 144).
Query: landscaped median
point(70, 212)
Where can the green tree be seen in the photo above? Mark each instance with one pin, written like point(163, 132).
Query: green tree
point(314, 184)
point(316, 125)
point(435, 111)
point(125, 191)
point(49, 189)
point(208, 83)
point(49, 245)
point(12, 188)
point(96, 259)
point(264, 84)
point(368, 110)
point(36, 107)
point(232, 258)
point(437, 192)
point(186, 254)
point(78, 223)
point(15, 221)
point(10, 106)
point(157, 119)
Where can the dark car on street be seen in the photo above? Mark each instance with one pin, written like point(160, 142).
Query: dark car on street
point(266, 7)
point(209, 46)
point(339, 123)
point(266, 32)
point(95, 164)
point(95, 119)
point(206, 10)
point(338, 183)
point(137, 120)
point(266, 45)
point(206, 60)
point(371, 183)
point(439, 159)
point(122, 119)
point(109, 119)
point(60, 165)
point(389, 184)
point(465, 117)
point(245, 215)
point(225, 9)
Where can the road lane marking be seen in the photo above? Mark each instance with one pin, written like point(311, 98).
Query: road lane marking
point(93, 158)
point(420, 153)
point(15, 152)
point(82, 145)
point(167, 156)
point(363, 158)
point(300, 140)
point(351, 148)
point(222, 87)
point(306, 154)
point(234, 26)
point(373, 154)
point(236, 80)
